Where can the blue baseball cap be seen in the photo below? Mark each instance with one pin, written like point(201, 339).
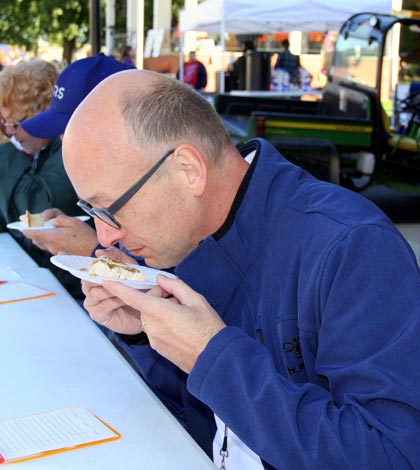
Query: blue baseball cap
point(73, 84)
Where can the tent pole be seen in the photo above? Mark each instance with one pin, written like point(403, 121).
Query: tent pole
point(222, 32)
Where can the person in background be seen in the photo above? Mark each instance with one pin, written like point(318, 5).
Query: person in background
point(32, 176)
point(3, 132)
point(195, 73)
point(239, 66)
point(127, 56)
point(73, 84)
point(288, 62)
point(293, 324)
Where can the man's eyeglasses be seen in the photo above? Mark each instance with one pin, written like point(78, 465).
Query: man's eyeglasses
point(106, 214)
point(13, 124)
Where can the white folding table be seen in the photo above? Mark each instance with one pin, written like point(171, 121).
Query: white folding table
point(54, 356)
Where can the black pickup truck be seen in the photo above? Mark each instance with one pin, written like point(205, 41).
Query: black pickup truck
point(363, 132)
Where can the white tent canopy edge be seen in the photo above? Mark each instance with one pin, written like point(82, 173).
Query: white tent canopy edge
point(270, 16)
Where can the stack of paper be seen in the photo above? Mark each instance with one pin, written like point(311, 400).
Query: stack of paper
point(14, 289)
point(47, 433)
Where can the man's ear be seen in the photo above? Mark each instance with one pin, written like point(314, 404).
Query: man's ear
point(192, 167)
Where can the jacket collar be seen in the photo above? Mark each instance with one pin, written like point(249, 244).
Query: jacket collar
point(223, 260)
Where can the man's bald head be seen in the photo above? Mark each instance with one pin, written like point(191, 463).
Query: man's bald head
point(99, 116)
point(157, 113)
point(96, 139)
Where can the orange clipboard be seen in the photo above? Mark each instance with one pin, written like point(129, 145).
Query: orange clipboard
point(107, 433)
point(22, 291)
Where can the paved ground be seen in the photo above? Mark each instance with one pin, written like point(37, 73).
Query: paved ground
point(412, 234)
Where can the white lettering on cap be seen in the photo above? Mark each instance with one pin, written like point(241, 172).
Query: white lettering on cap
point(59, 92)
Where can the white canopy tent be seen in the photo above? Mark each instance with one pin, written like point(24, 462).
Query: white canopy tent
point(270, 16)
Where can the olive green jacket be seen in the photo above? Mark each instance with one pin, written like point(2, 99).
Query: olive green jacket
point(35, 186)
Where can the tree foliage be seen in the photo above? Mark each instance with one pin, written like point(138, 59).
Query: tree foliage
point(411, 5)
point(25, 22)
point(64, 22)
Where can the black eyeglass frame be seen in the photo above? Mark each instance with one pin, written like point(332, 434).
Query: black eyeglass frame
point(106, 214)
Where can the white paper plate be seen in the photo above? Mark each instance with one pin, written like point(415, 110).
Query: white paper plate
point(47, 226)
point(79, 265)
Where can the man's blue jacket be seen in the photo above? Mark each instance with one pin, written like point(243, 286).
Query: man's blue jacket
point(319, 366)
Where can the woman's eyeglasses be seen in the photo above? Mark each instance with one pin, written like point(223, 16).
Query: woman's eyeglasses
point(13, 124)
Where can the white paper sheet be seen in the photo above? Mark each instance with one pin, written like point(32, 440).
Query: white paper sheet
point(14, 291)
point(60, 429)
point(8, 274)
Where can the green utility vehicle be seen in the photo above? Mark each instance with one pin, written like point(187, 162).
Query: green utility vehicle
point(364, 131)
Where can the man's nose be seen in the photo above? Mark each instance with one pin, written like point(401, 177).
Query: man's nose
point(107, 235)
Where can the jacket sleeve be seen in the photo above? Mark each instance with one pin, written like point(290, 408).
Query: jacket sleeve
point(361, 406)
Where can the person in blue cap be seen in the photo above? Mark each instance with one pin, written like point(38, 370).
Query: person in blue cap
point(73, 84)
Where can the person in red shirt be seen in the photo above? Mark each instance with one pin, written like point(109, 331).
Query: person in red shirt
point(195, 73)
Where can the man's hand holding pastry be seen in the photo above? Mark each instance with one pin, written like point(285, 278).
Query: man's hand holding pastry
point(110, 311)
point(178, 328)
